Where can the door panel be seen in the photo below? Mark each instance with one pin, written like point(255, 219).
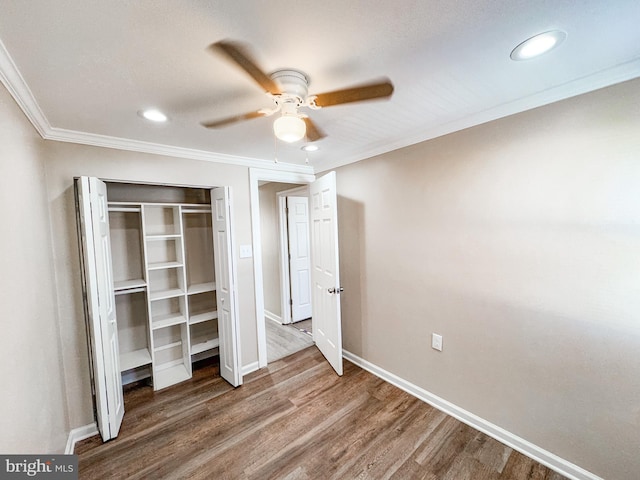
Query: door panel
point(299, 261)
point(100, 304)
point(228, 326)
point(325, 271)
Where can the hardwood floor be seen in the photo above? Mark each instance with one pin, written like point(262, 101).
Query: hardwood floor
point(283, 340)
point(296, 419)
point(303, 325)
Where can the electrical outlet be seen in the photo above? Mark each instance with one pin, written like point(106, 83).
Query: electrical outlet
point(436, 342)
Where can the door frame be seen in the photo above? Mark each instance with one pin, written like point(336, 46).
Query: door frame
point(257, 175)
point(285, 276)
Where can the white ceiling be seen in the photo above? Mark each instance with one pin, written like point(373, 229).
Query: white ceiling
point(81, 69)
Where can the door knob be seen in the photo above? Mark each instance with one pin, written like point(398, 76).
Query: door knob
point(336, 290)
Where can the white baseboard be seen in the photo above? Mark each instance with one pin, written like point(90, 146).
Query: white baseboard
point(252, 367)
point(78, 434)
point(273, 316)
point(523, 446)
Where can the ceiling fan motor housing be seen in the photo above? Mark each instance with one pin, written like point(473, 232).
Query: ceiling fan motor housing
point(294, 85)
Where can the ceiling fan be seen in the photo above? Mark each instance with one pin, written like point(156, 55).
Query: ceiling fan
point(289, 90)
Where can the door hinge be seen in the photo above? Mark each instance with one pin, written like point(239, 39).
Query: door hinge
point(291, 301)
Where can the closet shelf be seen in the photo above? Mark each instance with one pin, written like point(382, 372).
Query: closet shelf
point(168, 346)
point(201, 288)
point(196, 209)
point(203, 343)
point(162, 294)
point(161, 321)
point(137, 358)
point(124, 207)
point(118, 287)
point(154, 237)
point(164, 265)
point(203, 317)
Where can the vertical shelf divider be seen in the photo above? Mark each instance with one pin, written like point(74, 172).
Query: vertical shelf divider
point(167, 299)
point(186, 346)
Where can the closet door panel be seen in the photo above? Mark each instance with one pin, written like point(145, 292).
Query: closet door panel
point(226, 296)
point(100, 303)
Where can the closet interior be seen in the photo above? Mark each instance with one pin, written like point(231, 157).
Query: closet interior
point(163, 280)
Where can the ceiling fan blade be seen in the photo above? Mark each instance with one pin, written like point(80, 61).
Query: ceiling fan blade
point(355, 94)
point(237, 118)
point(313, 132)
point(240, 55)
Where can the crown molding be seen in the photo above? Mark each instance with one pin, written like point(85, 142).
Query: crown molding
point(96, 140)
point(601, 79)
point(12, 79)
point(16, 85)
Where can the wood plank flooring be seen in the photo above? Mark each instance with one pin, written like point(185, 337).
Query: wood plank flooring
point(283, 340)
point(303, 325)
point(294, 420)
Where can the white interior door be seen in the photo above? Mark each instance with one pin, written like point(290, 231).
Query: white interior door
point(299, 257)
point(325, 272)
point(228, 326)
point(100, 304)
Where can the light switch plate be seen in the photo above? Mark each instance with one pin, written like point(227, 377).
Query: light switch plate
point(436, 342)
point(246, 251)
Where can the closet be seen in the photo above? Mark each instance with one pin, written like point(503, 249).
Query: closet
point(164, 288)
point(158, 275)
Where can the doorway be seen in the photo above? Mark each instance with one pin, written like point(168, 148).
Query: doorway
point(285, 249)
point(325, 267)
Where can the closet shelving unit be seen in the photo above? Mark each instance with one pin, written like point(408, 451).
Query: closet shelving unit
point(130, 286)
point(201, 286)
point(164, 286)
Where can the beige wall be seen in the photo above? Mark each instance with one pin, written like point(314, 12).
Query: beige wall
point(519, 242)
point(270, 238)
point(33, 410)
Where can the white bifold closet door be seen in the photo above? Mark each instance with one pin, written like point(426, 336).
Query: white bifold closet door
point(325, 271)
point(100, 304)
point(228, 325)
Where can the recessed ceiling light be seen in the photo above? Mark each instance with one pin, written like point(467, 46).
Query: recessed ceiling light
point(153, 115)
point(310, 148)
point(538, 44)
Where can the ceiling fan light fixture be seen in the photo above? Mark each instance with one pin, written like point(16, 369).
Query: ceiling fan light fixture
point(289, 128)
point(538, 45)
